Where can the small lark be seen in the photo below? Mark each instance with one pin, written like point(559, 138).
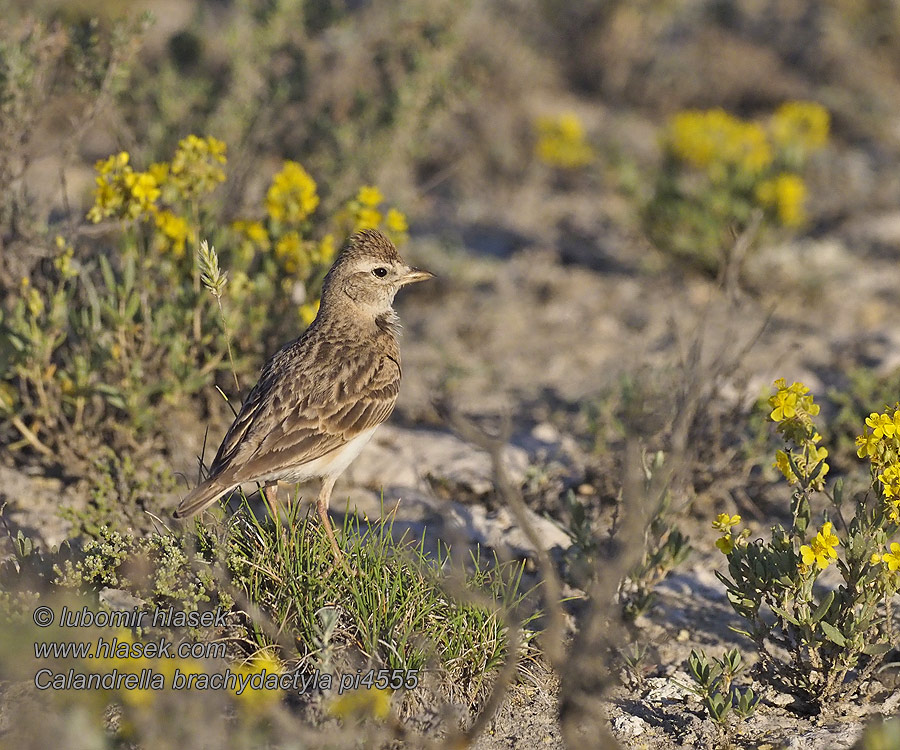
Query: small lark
point(320, 398)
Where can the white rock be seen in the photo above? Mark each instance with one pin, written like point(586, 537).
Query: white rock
point(629, 726)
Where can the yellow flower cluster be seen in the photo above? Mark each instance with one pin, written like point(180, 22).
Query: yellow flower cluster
point(890, 559)
point(715, 140)
point(374, 703)
point(802, 125)
point(266, 661)
point(175, 231)
point(196, 168)
point(122, 193)
point(363, 212)
point(880, 443)
point(561, 142)
point(786, 194)
point(763, 157)
point(727, 542)
point(793, 408)
point(292, 196)
point(298, 256)
point(821, 550)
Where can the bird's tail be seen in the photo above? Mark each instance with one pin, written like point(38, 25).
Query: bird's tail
point(200, 498)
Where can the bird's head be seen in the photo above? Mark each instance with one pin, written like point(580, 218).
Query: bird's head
point(369, 271)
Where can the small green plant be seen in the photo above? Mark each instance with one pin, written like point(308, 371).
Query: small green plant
point(714, 685)
point(665, 548)
point(820, 644)
point(719, 169)
point(390, 610)
point(634, 661)
point(122, 493)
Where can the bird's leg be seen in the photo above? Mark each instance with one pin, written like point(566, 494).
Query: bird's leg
point(270, 490)
point(322, 508)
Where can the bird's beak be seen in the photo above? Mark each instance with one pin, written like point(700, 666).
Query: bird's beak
point(413, 275)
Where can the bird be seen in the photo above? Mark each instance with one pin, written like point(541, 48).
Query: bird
point(321, 397)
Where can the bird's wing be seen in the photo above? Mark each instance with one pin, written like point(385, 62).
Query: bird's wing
point(295, 415)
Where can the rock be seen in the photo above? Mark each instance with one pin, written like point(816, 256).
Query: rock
point(834, 738)
point(629, 726)
point(119, 599)
point(408, 458)
point(500, 530)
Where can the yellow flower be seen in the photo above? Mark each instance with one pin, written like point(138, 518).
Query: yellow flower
point(784, 465)
point(113, 163)
point(803, 124)
point(159, 171)
point(715, 140)
point(892, 558)
point(724, 522)
point(254, 231)
point(111, 195)
point(144, 192)
point(292, 196)
point(196, 167)
point(893, 510)
point(175, 232)
point(324, 251)
point(882, 425)
point(291, 252)
point(362, 704)
point(786, 193)
point(785, 404)
point(820, 551)
point(561, 142)
point(263, 661)
point(725, 544)
point(890, 481)
point(367, 218)
point(867, 445)
point(396, 222)
point(369, 195)
point(816, 455)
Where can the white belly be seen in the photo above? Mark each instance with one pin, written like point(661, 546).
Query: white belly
point(329, 465)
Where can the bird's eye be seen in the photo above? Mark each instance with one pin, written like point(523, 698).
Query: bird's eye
point(380, 272)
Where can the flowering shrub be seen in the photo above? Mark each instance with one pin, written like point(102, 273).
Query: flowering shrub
point(820, 645)
point(561, 142)
point(719, 169)
point(131, 328)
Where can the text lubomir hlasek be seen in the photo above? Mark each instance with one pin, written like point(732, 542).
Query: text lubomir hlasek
point(133, 618)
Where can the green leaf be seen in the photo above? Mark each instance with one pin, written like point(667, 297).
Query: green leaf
point(785, 616)
point(838, 492)
point(876, 649)
point(823, 607)
point(833, 634)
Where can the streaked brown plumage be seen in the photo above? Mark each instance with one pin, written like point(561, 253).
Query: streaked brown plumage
point(320, 398)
